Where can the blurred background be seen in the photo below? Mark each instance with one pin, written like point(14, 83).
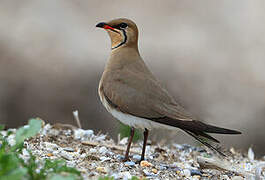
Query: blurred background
point(209, 54)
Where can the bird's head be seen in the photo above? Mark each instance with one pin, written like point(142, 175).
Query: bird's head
point(123, 32)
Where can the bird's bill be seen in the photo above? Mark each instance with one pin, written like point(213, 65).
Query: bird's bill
point(106, 27)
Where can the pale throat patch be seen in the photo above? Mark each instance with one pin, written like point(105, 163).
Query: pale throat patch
point(117, 39)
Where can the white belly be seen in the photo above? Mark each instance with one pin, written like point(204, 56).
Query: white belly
point(133, 121)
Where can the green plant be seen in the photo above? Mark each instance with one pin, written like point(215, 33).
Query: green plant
point(112, 178)
point(12, 166)
point(125, 132)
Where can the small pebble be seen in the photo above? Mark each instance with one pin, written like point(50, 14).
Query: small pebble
point(87, 134)
point(71, 163)
point(251, 154)
point(196, 177)
point(154, 170)
point(136, 157)
point(49, 154)
point(54, 132)
point(101, 170)
point(66, 155)
point(129, 163)
point(237, 178)
point(145, 164)
point(120, 157)
point(103, 159)
point(83, 155)
point(186, 173)
point(69, 149)
point(126, 175)
point(146, 173)
point(195, 172)
point(102, 150)
point(162, 167)
point(50, 146)
point(92, 150)
point(123, 141)
point(232, 150)
point(78, 134)
point(100, 137)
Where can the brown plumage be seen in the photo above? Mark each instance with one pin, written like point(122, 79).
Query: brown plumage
point(132, 94)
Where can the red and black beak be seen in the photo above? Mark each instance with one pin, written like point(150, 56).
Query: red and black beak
point(106, 26)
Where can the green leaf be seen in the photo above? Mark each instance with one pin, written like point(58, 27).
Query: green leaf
point(59, 166)
point(8, 162)
point(63, 177)
point(106, 178)
point(125, 131)
point(31, 130)
point(2, 127)
point(16, 174)
point(135, 178)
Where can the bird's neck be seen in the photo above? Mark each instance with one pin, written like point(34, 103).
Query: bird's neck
point(123, 56)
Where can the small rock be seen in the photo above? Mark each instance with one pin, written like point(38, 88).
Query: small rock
point(232, 150)
point(92, 150)
point(237, 178)
point(124, 141)
point(120, 157)
point(186, 173)
point(71, 163)
point(83, 155)
point(83, 135)
point(88, 134)
point(101, 170)
point(146, 173)
point(69, 149)
point(136, 157)
point(49, 154)
point(54, 132)
point(126, 175)
point(78, 134)
point(67, 132)
point(145, 164)
point(66, 155)
point(102, 150)
point(129, 163)
point(196, 177)
point(154, 170)
point(45, 129)
point(100, 137)
point(103, 159)
point(161, 167)
point(251, 154)
point(50, 147)
point(194, 172)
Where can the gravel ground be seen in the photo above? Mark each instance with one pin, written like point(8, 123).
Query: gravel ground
point(97, 155)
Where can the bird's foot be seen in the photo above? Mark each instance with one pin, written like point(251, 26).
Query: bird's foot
point(126, 159)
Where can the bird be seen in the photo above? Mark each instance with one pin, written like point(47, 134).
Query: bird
point(133, 95)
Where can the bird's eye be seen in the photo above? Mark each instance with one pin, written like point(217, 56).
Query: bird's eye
point(123, 25)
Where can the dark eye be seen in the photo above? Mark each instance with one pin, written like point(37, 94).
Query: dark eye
point(123, 25)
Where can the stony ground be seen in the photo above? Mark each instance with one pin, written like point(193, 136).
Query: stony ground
point(97, 155)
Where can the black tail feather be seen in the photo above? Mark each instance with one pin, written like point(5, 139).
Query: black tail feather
point(218, 130)
point(207, 128)
point(207, 136)
point(201, 140)
point(194, 125)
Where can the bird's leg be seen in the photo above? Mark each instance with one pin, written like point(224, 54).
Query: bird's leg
point(145, 141)
point(129, 145)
